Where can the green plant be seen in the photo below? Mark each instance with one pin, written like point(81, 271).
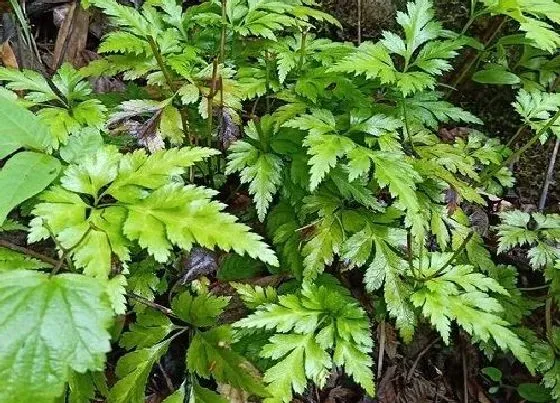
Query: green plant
point(340, 150)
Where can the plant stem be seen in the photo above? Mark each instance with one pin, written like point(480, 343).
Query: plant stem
point(455, 255)
point(223, 34)
point(163, 309)
point(302, 49)
point(267, 82)
point(515, 136)
point(170, 83)
point(406, 126)
point(548, 317)
point(29, 252)
point(472, 60)
point(549, 175)
point(513, 157)
point(382, 340)
point(359, 22)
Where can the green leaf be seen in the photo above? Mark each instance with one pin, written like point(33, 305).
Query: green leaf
point(493, 373)
point(533, 392)
point(150, 328)
point(50, 326)
point(182, 215)
point(133, 370)
point(20, 128)
point(116, 289)
point(13, 260)
point(253, 296)
point(203, 395)
point(210, 355)
point(199, 310)
point(495, 77)
point(23, 176)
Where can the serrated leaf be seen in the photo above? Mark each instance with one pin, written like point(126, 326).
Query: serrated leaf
point(23, 176)
point(50, 326)
point(200, 310)
point(209, 355)
point(13, 260)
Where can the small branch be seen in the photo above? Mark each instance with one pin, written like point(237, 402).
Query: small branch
point(549, 175)
point(168, 381)
point(359, 22)
point(29, 252)
point(161, 63)
point(223, 34)
point(163, 309)
point(302, 49)
point(513, 157)
point(455, 255)
point(548, 317)
point(465, 377)
point(419, 357)
point(515, 136)
point(537, 288)
point(382, 339)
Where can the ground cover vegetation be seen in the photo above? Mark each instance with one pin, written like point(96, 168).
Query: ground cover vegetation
point(262, 212)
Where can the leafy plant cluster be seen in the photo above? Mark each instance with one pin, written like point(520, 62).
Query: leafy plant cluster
point(339, 149)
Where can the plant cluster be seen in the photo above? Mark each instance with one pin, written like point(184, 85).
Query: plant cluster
point(339, 149)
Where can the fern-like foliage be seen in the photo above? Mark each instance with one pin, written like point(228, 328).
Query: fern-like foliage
point(151, 209)
point(457, 293)
point(539, 232)
point(314, 332)
point(260, 168)
point(66, 105)
point(537, 108)
point(531, 15)
point(423, 56)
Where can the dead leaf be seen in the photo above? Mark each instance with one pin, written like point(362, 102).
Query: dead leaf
point(200, 262)
point(8, 56)
point(228, 131)
point(233, 395)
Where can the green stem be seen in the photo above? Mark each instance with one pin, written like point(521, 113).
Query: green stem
point(469, 65)
point(406, 125)
point(29, 252)
point(170, 83)
point(513, 157)
point(455, 255)
point(515, 136)
point(267, 83)
point(223, 34)
point(302, 49)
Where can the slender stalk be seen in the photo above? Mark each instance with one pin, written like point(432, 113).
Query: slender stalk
point(382, 341)
point(29, 252)
point(548, 317)
point(549, 175)
point(224, 31)
point(359, 22)
point(513, 157)
point(472, 60)
point(406, 125)
point(302, 49)
point(163, 309)
point(267, 82)
point(455, 255)
point(170, 83)
point(515, 136)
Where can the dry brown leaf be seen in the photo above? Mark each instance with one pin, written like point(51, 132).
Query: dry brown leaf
point(8, 56)
point(233, 395)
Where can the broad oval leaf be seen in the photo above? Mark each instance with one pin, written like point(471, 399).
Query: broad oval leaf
point(20, 128)
point(495, 77)
point(23, 176)
point(48, 327)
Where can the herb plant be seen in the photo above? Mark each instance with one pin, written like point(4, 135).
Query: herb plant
point(338, 147)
